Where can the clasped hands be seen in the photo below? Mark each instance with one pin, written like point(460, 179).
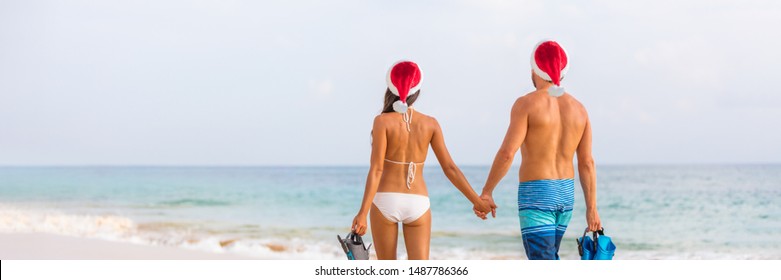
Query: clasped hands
point(487, 205)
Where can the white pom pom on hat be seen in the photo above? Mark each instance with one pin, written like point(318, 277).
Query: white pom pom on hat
point(400, 107)
point(549, 61)
point(404, 79)
point(556, 91)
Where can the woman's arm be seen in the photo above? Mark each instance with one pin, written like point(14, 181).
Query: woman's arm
point(379, 144)
point(452, 172)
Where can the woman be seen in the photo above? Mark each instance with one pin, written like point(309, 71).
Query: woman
point(395, 190)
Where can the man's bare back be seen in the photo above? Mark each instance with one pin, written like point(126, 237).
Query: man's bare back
point(555, 126)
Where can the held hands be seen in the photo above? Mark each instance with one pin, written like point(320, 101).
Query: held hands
point(359, 224)
point(481, 208)
point(482, 211)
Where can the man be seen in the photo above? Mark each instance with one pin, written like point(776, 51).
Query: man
point(549, 126)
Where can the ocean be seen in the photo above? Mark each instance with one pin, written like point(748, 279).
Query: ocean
point(651, 212)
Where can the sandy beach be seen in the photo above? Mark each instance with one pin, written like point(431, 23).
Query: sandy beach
point(35, 246)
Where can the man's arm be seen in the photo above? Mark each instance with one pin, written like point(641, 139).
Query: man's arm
point(588, 178)
point(516, 134)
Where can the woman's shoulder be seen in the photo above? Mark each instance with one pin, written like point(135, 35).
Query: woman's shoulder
point(426, 119)
point(384, 119)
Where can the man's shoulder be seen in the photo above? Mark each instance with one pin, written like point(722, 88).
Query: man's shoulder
point(568, 96)
point(539, 99)
point(527, 100)
point(574, 102)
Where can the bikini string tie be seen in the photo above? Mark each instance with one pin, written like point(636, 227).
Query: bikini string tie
point(407, 118)
point(411, 169)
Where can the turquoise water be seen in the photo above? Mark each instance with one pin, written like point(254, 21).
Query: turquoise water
point(652, 212)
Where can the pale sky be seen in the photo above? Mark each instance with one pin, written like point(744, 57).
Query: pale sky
point(298, 82)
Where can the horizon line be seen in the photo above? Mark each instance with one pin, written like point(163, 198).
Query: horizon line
point(363, 165)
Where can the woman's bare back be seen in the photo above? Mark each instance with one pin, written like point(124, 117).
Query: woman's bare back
point(403, 147)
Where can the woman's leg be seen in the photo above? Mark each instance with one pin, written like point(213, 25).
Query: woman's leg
point(385, 235)
point(417, 237)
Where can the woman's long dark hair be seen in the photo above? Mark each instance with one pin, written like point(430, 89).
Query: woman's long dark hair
point(387, 107)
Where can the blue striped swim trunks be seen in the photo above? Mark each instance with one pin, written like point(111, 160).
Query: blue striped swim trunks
point(544, 210)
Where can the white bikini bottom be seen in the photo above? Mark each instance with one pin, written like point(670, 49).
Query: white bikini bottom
point(401, 207)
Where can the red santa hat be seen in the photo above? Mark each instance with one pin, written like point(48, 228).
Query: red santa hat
point(404, 79)
point(549, 61)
